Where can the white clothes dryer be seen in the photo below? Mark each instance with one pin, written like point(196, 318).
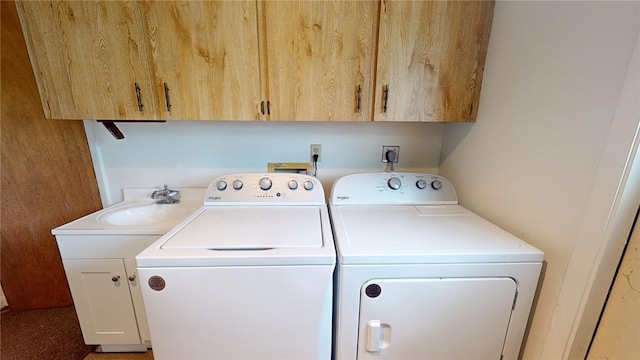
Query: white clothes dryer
point(247, 276)
point(421, 277)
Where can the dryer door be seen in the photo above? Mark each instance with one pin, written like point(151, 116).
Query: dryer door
point(439, 318)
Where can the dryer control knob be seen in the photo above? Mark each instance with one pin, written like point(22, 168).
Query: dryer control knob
point(308, 185)
point(237, 184)
point(421, 184)
point(394, 183)
point(265, 183)
point(221, 185)
point(436, 184)
point(293, 184)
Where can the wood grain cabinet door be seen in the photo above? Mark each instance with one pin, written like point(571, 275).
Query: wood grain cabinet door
point(88, 58)
point(318, 59)
point(431, 57)
point(203, 57)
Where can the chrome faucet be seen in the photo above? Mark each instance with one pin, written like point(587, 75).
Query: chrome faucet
point(166, 196)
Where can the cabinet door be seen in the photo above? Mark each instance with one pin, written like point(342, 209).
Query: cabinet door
point(431, 57)
point(136, 297)
point(102, 300)
point(87, 57)
point(203, 57)
point(318, 57)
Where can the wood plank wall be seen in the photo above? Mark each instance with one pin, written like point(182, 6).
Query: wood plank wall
point(47, 180)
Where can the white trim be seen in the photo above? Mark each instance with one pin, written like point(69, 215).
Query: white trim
point(604, 229)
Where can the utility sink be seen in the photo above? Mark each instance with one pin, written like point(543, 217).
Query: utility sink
point(144, 214)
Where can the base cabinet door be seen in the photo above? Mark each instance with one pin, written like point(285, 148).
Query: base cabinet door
point(103, 301)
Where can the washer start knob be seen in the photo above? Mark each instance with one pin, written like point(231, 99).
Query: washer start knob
point(421, 184)
point(237, 184)
point(308, 185)
point(394, 183)
point(436, 184)
point(265, 183)
point(293, 184)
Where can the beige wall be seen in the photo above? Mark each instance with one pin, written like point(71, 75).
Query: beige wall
point(546, 157)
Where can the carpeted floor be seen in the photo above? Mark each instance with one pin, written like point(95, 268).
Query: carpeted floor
point(51, 334)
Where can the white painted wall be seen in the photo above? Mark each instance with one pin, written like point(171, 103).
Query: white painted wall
point(547, 155)
point(192, 153)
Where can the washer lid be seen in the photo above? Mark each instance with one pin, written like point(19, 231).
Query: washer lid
point(408, 234)
point(250, 228)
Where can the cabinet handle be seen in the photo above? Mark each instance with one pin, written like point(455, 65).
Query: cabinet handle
point(140, 105)
point(166, 97)
point(115, 278)
point(385, 97)
point(262, 107)
point(132, 277)
point(358, 98)
point(268, 107)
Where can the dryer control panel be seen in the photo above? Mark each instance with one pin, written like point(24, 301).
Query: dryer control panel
point(265, 188)
point(393, 188)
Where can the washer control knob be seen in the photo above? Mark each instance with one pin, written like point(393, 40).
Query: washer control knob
point(308, 185)
point(265, 183)
point(293, 184)
point(237, 184)
point(394, 183)
point(221, 185)
point(421, 184)
point(436, 184)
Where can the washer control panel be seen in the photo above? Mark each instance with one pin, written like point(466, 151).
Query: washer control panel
point(265, 188)
point(393, 188)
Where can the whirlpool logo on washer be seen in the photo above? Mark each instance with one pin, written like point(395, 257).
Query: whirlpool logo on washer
point(343, 197)
point(214, 198)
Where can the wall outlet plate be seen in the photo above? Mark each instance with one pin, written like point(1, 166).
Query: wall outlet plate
point(315, 149)
point(387, 148)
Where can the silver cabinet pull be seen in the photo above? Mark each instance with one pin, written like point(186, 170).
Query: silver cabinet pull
point(115, 278)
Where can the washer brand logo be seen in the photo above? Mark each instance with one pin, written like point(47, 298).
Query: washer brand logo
point(214, 198)
point(343, 197)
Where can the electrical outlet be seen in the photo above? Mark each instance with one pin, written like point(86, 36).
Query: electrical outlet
point(387, 148)
point(316, 149)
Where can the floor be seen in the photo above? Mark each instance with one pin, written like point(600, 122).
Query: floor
point(120, 356)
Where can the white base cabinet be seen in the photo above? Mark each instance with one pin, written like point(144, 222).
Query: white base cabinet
point(101, 272)
point(104, 293)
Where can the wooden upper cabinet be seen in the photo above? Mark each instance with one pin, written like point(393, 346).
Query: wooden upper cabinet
point(203, 58)
point(431, 57)
point(318, 59)
point(87, 58)
point(184, 60)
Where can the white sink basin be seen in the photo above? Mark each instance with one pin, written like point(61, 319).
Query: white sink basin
point(144, 214)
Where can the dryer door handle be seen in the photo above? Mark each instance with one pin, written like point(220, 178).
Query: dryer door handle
point(374, 336)
point(377, 336)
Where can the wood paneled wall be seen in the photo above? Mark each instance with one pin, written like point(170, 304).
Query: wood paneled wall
point(47, 180)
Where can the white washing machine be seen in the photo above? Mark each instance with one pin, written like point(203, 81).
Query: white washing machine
point(247, 276)
point(420, 277)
